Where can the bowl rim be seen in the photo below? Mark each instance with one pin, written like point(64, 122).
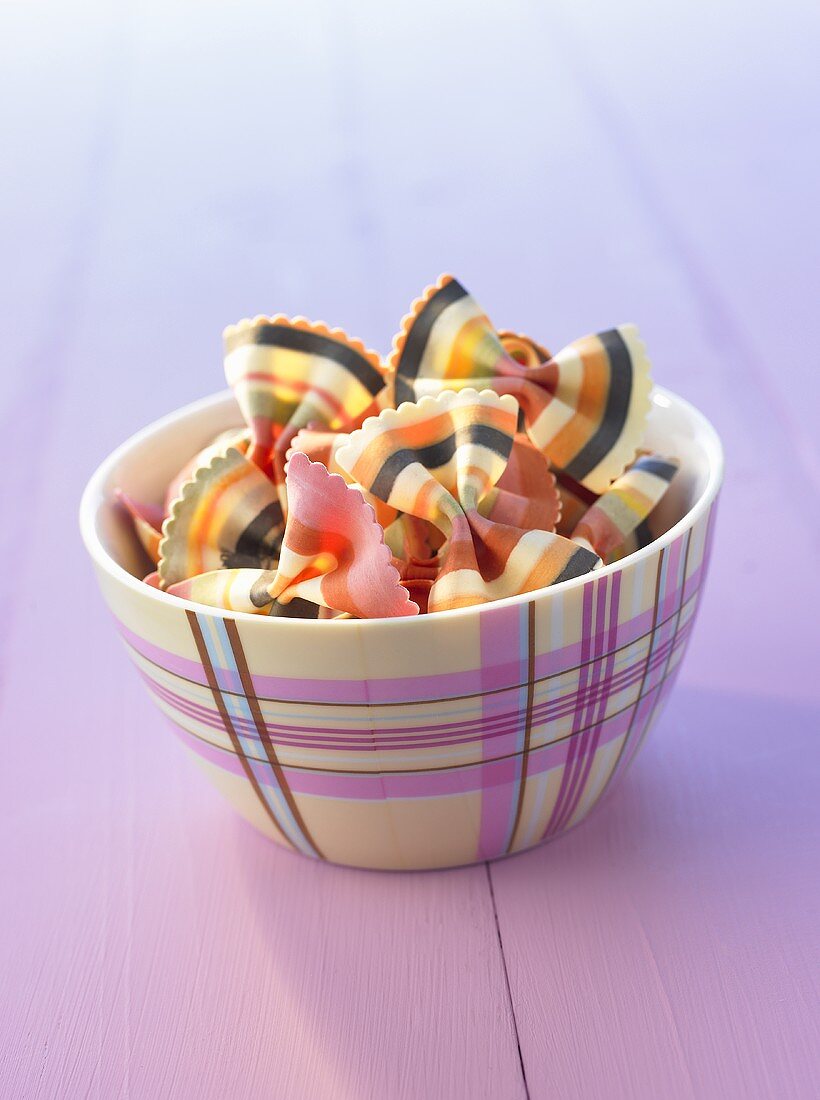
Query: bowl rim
point(93, 499)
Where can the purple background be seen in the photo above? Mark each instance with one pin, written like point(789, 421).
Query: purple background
point(171, 168)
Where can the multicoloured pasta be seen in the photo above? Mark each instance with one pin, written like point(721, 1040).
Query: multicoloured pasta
point(238, 438)
point(332, 555)
point(228, 516)
point(585, 407)
point(620, 511)
point(526, 494)
point(437, 459)
point(331, 503)
point(288, 373)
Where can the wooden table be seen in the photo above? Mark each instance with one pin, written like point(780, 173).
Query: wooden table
point(169, 168)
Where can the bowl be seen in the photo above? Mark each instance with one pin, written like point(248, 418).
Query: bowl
point(425, 742)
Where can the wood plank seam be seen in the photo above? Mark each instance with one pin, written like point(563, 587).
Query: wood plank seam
point(507, 980)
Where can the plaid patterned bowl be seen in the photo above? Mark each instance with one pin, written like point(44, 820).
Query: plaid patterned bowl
point(414, 743)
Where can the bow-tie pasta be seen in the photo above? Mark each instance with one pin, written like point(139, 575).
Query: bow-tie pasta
point(227, 516)
point(288, 373)
point(526, 494)
point(472, 466)
point(332, 556)
point(238, 438)
point(147, 518)
point(438, 459)
point(584, 407)
point(321, 445)
point(617, 514)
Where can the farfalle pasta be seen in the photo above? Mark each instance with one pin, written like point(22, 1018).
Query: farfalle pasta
point(148, 518)
point(332, 555)
point(288, 373)
point(238, 438)
point(526, 495)
point(321, 445)
point(619, 512)
point(471, 466)
point(584, 408)
point(227, 516)
point(438, 459)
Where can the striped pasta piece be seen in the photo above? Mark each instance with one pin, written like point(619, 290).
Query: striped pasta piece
point(238, 438)
point(438, 459)
point(333, 552)
point(584, 408)
point(288, 373)
point(422, 456)
point(147, 519)
point(526, 494)
point(228, 516)
point(617, 514)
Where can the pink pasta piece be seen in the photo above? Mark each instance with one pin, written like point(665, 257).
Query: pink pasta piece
point(321, 445)
point(332, 555)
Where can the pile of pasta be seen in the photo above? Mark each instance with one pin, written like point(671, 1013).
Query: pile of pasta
point(470, 466)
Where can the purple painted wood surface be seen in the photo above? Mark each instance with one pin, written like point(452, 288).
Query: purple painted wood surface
point(168, 169)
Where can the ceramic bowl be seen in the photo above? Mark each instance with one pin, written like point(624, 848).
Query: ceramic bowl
point(425, 742)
